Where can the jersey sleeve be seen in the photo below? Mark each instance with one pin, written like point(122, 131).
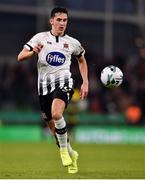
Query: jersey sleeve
point(78, 49)
point(34, 41)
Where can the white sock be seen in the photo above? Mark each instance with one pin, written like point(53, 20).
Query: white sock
point(61, 132)
point(70, 150)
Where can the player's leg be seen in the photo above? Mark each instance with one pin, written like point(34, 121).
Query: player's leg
point(52, 129)
point(52, 109)
point(45, 104)
point(66, 96)
point(57, 110)
point(73, 168)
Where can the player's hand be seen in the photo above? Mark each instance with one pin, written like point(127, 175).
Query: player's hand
point(37, 48)
point(84, 90)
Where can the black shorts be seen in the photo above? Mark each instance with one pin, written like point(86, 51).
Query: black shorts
point(46, 101)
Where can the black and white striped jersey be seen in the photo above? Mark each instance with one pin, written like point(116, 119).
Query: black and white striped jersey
point(54, 60)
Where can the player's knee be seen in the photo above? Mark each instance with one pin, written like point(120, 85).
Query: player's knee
point(56, 115)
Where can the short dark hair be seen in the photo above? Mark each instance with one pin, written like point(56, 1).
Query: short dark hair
point(58, 10)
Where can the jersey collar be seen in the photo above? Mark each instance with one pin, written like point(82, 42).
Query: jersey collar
point(56, 36)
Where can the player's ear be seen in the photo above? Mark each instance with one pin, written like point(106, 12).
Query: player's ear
point(51, 21)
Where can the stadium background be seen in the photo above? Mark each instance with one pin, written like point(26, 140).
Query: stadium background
point(110, 123)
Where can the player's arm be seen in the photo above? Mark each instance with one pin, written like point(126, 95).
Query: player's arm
point(27, 53)
point(84, 73)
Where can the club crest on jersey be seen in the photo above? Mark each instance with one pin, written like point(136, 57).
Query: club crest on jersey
point(55, 58)
point(65, 46)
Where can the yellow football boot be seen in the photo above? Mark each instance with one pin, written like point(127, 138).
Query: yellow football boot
point(73, 168)
point(65, 157)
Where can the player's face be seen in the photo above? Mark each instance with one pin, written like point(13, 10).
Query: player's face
point(59, 23)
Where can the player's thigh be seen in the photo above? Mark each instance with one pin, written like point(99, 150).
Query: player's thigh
point(61, 98)
point(57, 108)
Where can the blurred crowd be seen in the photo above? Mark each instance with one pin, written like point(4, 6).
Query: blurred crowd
point(129, 98)
point(18, 86)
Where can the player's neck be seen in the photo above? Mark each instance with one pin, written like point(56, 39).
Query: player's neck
point(56, 33)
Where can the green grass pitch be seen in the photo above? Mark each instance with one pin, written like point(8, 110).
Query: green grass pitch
point(41, 161)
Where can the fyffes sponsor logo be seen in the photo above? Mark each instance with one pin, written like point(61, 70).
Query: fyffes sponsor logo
point(55, 58)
